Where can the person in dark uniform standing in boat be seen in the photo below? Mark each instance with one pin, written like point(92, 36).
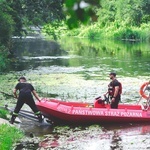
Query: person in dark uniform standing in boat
point(25, 96)
point(114, 91)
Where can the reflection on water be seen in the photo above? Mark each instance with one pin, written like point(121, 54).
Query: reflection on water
point(96, 57)
point(116, 141)
point(128, 59)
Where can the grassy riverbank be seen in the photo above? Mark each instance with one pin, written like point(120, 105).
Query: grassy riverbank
point(114, 31)
point(9, 134)
point(117, 32)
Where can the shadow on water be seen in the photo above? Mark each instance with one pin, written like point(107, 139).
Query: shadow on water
point(31, 53)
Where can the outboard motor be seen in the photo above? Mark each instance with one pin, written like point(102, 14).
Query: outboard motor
point(99, 103)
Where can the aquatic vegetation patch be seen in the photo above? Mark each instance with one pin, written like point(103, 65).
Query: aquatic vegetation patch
point(67, 137)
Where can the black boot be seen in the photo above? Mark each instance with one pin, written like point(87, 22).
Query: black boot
point(40, 117)
point(12, 119)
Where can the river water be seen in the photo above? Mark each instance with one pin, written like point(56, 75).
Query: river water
point(77, 70)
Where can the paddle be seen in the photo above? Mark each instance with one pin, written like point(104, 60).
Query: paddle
point(29, 115)
point(7, 94)
point(21, 113)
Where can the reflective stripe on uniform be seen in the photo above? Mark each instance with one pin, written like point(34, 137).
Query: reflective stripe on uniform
point(37, 113)
point(15, 114)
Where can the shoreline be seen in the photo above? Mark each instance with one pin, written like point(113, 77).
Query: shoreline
point(4, 121)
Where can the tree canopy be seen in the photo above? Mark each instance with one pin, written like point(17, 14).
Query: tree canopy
point(17, 15)
point(34, 12)
point(129, 12)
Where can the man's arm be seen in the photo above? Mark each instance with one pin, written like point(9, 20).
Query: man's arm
point(116, 91)
point(36, 95)
point(15, 93)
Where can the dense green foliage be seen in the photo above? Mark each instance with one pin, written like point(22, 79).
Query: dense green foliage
point(6, 24)
point(8, 136)
point(111, 14)
point(79, 11)
point(117, 19)
point(125, 19)
point(17, 16)
point(3, 59)
point(121, 19)
point(34, 13)
point(124, 13)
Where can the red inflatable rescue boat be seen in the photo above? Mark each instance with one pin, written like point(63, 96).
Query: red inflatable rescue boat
point(78, 112)
point(98, 112)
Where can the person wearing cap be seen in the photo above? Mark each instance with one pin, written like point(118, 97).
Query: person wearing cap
point(114, 91)
point(25, 96)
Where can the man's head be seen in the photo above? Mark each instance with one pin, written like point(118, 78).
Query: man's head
point(22, 79)
point(112, 75)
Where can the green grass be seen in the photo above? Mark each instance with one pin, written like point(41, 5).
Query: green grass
point(8, 136)
point(117, 33)
point(3, 114)
point(114, 31)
